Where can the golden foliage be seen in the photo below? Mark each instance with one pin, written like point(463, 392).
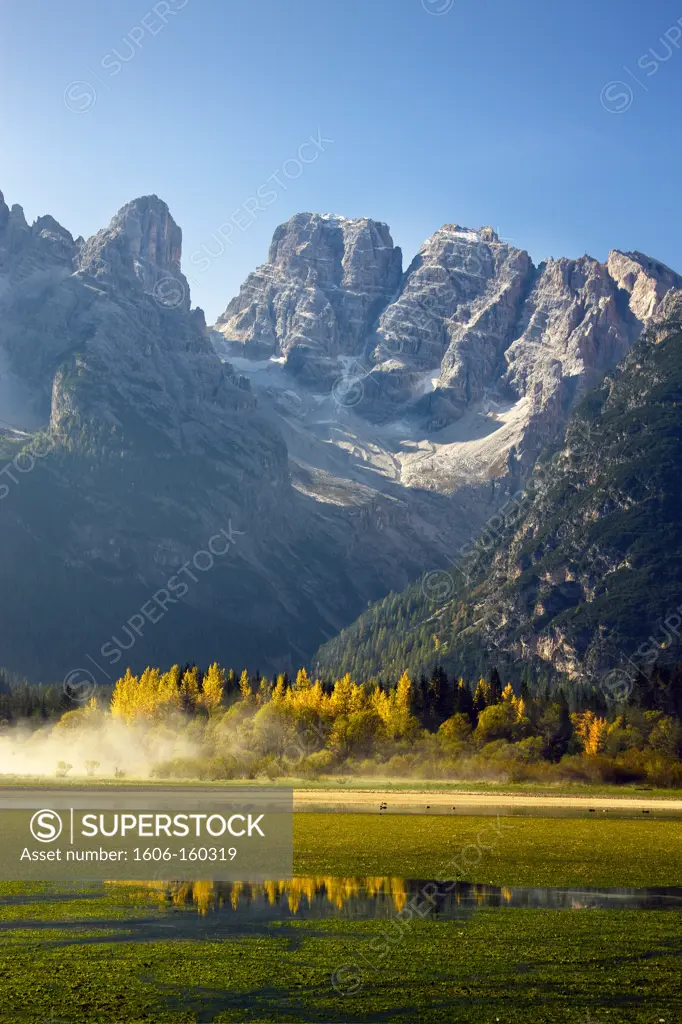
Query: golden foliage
point(591, 730)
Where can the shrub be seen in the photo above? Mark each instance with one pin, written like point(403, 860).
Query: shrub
point(315, 764)
point(665, 772)
point(400, 765)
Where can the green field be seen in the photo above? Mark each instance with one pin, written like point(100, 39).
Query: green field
point(504, 965)
point(370, 783)
point(87, 957)
point(617, 852)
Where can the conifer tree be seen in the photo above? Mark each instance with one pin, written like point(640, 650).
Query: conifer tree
point(264, 692)
point(494, 687)
point(480, 696)
point(245, 688)
point(124, 698)
point(169, 687)
point(302, 680)
point(189, 690)
point(212, 688)
point(464, 701)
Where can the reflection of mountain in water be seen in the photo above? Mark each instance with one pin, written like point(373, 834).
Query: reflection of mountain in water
point(367, 898)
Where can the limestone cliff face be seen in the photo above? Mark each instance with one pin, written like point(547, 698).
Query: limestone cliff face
point(34, 260)
point(471, 318)
point(645, 281)
point(157, 444)
point(26, 251)
point(577, 574)
point(451, 323)
point(142, 242)
point(325, 281)
point(145, 354)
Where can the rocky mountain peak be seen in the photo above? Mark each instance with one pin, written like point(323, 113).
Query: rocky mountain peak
point(150, 231)
point(484, 234)
point(326, 280)
point(17, 219)
point(178, 447)
point(472, 316)
point(142, 243)
point(646, 281)
point(28, 252)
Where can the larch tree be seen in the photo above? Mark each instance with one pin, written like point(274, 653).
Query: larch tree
point(212, 688)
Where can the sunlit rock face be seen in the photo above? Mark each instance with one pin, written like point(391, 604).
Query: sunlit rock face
point(325, 282)
point(455, 374)
point(472, 319)
point(157, 444)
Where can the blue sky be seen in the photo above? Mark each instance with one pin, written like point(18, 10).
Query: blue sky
point(476, 111)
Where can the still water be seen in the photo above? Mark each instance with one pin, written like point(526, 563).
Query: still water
point(191, 909)
point(367, 898)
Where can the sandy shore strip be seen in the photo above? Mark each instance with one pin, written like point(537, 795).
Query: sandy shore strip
point(371, 800)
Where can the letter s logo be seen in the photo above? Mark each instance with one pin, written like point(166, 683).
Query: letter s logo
point(46, 826)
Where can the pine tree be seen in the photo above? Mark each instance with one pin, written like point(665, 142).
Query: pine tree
point(420, 699)
point(464, 701)
point(279, 692)
point(480, 697)
point(494, 687)
point(565, 729)
point(231, 684)
point(437, 699)
point(264, 692)
point(169, 688)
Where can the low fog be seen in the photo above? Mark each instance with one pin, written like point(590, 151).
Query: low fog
point(113, 745)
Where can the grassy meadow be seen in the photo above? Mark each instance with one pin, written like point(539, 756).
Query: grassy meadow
point(545, 967)
point(109, 955)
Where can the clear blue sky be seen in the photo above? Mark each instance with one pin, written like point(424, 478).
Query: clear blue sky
point(489, 113)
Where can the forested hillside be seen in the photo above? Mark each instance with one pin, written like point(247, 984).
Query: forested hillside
point(575, 582)
point(213, 724)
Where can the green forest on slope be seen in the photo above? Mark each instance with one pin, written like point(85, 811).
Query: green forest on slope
point(575, 581)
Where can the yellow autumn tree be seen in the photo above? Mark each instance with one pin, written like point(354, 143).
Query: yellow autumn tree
point(306, 703)
point(212, 688)
point(83, 717)
point(346, 698)
point(481, 695)
point(169, 688)
point(302, 680)
point(517, 703)
point(591, 730)
point(147, 698)
point(264, 692)
point(124, 698)
point(245, 688)
point(189, 689)
point(395, 710)
point(278, 696)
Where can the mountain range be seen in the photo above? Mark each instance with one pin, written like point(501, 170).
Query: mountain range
point(575, 580)
point(348, 424)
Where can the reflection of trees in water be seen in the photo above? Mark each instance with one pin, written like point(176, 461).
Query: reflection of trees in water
point(364, 895)
point(384, 896)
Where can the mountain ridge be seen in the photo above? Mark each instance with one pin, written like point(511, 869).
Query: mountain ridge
point(155, 445)
point(162, 432)
point(576, 579)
